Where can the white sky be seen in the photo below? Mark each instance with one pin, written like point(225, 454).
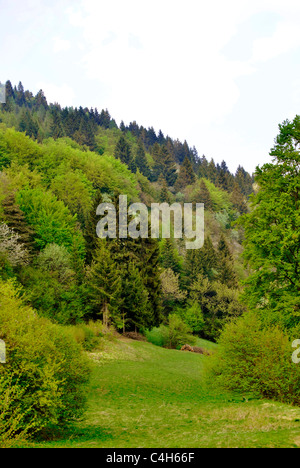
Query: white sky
point(221, 75)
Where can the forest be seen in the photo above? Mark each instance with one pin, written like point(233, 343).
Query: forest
point(63, 290)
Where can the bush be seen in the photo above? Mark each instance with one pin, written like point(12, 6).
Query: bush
point(258, 360)
point(45, 373)
point(173, 336)
point(88, 336)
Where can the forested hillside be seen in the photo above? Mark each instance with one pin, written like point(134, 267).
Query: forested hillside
point(63, 289)
point(58, 164)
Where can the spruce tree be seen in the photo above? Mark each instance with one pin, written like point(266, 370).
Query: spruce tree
point(57, 130)
point(226, 271)
point(105, 285)
point(141, 161)
point(135, 309)
point(90, 234)
point(123, 152)
point(186, 175)
point(203, 196)
point(169, 257)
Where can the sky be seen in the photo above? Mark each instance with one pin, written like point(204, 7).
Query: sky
point(221, 75)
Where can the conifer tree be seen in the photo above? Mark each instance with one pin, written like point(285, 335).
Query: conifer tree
point(186, 175)
point(57, 130)
point(122, 151)
point(169, 257)
point(226, 272)
point(239, 200)
point(90, 234)
point(141, 161)
point(105, 285)
point(202, 261)
point(203, 196)
point(135, 308)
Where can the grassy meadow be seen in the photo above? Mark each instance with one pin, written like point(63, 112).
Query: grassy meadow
point(144, 396)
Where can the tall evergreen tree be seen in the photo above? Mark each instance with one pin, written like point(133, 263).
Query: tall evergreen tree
point(226, 271)
point(90, 234)
point(203, 196)
point(57, 130)
point(123, 152)
point(186, 175)
point(141, 161)
point(105, 285)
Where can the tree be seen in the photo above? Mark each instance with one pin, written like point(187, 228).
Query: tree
point(27, 124)
point(186, 175)
point(164, 164)
point(141, 161)
point(272, 231)
point(171, 289)
point(90, 234)
point(239, 200)
point(105, 285)
point(135, 307)
point(11, 249)
point(226, 271)
point(123, 152)
point(202, 261)
point(15, 220)
point(57, 130)
point(203, 196)
point(169, 256)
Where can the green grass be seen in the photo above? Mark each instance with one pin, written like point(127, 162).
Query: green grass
point(141, 395)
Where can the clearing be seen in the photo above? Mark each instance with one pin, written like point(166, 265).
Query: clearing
point(141, 395)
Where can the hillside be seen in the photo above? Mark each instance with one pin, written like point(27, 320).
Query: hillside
point(66, 294)
point(144, 396)
point(58, 164)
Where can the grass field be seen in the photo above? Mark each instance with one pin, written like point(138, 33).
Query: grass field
point(145, 396)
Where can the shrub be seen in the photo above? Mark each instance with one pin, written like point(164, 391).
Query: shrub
point(258, 360)
point(173, 336)
point(45, 373)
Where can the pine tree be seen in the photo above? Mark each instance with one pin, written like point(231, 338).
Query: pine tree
point(202, 261)
point(135, 307)
point(203, 196)
point(169, 257)
point(186, 175)
point(163, 165)
point(226, 272)
point(57, 130)
point(239, 200)
point(90, 234)
point(164, 196)
point(105, 285)
point(27, 124)
point(141, 161)
point(122, 151)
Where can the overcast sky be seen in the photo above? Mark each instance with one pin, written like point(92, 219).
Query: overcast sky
point(220, 74)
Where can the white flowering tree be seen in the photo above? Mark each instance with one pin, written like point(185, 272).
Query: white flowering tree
point(10, 247)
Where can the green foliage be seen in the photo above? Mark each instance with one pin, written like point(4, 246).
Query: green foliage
point(272, 232)
point(105, 284)
point(253, 359)
point(45, 371)
point(50, 218)
point(193, 317)
point(173, 336)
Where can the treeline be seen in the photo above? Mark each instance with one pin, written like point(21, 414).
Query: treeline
point(40, 120)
